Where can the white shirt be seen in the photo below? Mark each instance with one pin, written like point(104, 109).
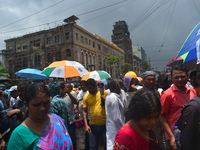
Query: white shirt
point(80, 96)
point(13, 100)
point(114, 117)
point(70, 106)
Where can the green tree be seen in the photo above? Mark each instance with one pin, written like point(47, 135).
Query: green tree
point(125, 68)
point(114, 62)
point(3, 71)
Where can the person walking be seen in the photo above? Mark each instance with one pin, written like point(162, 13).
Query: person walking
point(173, 100)
point(114, 113)
point(96, 104)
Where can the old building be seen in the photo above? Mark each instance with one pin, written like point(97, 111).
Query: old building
point(65, 42)
point(137, 64)
point(121, 37)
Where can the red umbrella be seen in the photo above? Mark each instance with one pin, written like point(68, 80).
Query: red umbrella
point(175, 61)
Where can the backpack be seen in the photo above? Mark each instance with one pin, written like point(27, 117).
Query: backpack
point(197, 99)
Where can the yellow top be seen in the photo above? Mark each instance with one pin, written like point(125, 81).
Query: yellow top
point(97, 112)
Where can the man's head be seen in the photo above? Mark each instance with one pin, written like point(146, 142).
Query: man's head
point(62, 89)
point(149, 79)
point(92, 86)
point(68, 88)
point(198, 78)
point(13, 91)
point(179, 76)
point(114, 86)
point(54, 88)
point(21, 86)
point(101, 85)
point(83, 85)
point(193, 79)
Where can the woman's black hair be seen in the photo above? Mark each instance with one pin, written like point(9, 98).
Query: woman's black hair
point(33, 89)
point(143, 103)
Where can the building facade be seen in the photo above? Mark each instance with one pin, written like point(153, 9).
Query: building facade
point(66, 42)
point(137, 64)
point(140, 52)
point(121, 37)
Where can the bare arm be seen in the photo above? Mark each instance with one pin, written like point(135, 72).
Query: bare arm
point(3, 143)
point(167, 128)
point(87, 127)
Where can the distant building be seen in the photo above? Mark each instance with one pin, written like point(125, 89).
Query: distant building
point(137, 64)
point(141, 57)
point(140, 52)
point(65, 42)
point(121, 37)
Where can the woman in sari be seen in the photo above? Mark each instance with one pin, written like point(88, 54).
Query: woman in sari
point(143, 114)
point(40, 130)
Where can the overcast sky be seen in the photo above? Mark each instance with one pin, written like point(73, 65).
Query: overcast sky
point(159, 26)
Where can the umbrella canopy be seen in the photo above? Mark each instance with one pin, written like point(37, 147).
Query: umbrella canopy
point(32, 74)
point(96, 75)
point(175, 61)
point(132, 74)
point(190, 49)
point(64, 69)
point(5, 79)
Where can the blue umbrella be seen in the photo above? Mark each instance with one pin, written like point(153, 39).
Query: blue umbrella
point(32, 74)
point(190, 50)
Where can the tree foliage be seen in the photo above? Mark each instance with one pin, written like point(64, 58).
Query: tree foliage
point(125, 68)
point(114, 62)
point(3, 71)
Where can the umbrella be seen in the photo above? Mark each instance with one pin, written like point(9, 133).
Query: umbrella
point(132, 74)
point(4, 79)
point(32, 74)
point(96, 75)
point(175, 61)
point(190, 50)
point(64, 69)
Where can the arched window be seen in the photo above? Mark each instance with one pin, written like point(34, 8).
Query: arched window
point(37, 59)
point(25, 62)
point(49, 58)
point(68, 51)
point(58, 56)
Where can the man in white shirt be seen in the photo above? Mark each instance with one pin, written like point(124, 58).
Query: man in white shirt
point(114, 106)
point(14, 95)
point(70, 99)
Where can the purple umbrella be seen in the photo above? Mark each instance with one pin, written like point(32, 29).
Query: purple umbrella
point(175, 61)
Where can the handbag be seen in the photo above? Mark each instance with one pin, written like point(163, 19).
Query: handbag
point(79, 121)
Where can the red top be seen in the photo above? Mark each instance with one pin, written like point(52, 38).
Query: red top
point(129, 139)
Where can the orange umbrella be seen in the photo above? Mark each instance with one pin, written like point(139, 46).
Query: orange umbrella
point(64, 69)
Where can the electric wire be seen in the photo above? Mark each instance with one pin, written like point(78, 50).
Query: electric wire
point(167, 27)
point(106, 13)
point(32, 14)
point(51, 14)
point(61, 19)
point(150, 11)
point(101, 8)
point(13, 5)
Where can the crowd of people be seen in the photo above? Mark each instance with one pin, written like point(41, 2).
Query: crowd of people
point(127, 113)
